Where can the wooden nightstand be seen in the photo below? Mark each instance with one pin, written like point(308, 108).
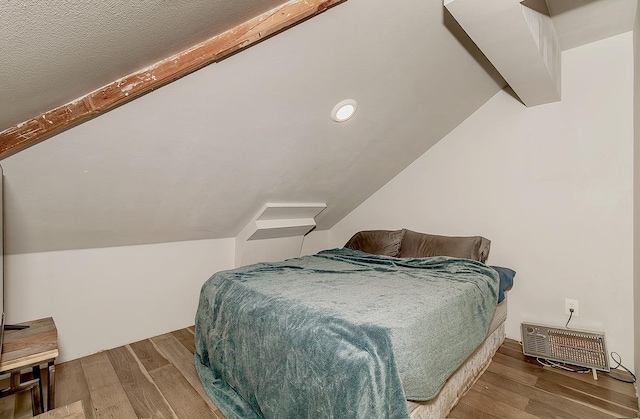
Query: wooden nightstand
point(30, 348)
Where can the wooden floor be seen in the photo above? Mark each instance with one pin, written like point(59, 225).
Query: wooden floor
point(157, 378)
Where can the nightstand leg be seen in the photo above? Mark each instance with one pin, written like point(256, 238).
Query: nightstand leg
point(38, 376)
point(51, 392)
point(36, 399)
point(17, 387)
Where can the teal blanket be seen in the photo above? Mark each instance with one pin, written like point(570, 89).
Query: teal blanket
point(339, 334)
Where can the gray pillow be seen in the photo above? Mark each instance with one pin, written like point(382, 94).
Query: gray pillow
point(420, 245)
point(377, 242)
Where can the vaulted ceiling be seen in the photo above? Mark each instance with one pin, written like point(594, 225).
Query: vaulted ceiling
point(198, 158)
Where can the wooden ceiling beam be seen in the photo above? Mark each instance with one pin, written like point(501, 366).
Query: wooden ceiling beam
point(28, 133)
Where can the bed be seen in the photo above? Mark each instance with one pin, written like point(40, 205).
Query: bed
point(384, 327)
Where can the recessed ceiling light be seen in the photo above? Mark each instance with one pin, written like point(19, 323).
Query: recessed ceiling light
point(344, 110)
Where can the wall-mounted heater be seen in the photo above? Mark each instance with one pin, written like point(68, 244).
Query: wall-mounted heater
point(576, 347)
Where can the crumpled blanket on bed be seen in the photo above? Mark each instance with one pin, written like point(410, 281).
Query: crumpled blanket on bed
point(339, 334)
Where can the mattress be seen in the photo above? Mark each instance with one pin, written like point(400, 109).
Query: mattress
point(354, 322)
point(466, 375)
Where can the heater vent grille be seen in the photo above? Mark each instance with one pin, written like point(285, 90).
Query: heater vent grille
point(585, 349)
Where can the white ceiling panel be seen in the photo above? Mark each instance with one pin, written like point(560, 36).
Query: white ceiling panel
point(198, 158)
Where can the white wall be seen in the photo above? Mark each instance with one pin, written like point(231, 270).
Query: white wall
point(104, 298)
point(551, 186)
point(315, 242)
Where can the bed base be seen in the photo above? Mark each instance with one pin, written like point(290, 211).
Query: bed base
point(461, 381)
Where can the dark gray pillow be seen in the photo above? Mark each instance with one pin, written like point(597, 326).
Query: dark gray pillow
point(420, 245)
point(377, 242)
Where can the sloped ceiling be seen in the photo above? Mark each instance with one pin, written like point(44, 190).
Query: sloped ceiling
point(197, 158)
point(56, 51)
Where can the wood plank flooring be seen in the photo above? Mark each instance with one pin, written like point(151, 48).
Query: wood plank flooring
point(156, 378)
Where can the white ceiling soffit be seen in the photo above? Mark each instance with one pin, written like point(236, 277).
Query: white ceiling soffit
point(195, 158)
point(276, 232)
point(283, 220)
point(523, 39)
point(579, 22)
point(519, 41)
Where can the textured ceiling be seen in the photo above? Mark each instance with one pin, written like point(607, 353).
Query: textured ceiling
point(198, 158)
point(56, 51)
